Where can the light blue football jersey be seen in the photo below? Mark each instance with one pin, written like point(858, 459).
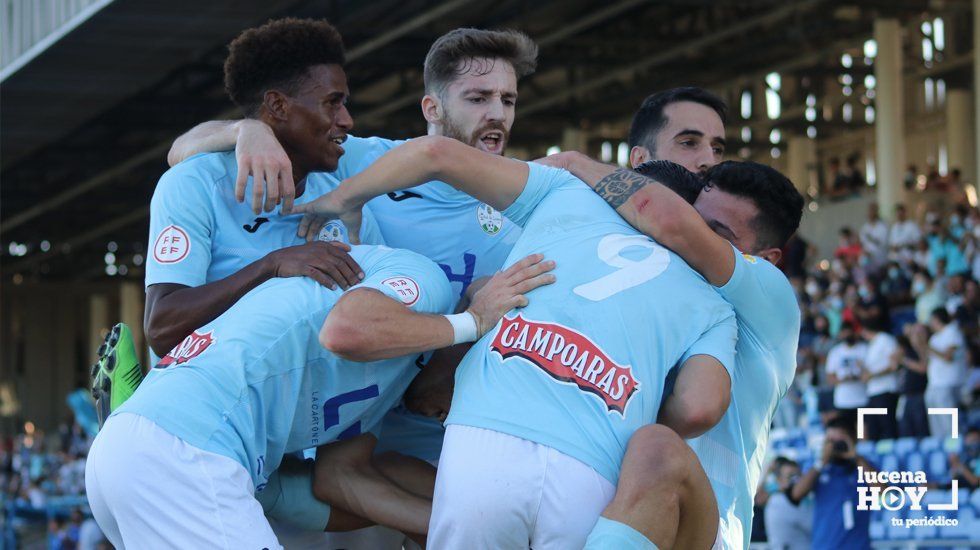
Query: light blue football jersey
point(467, 238)
point(583, 366)
point(199, 232)
point(255, 383)
point(732, 452)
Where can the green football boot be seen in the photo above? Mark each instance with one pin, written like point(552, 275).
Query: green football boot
point(117, 372)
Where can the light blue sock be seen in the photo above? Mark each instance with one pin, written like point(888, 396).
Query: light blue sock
point(609, 534)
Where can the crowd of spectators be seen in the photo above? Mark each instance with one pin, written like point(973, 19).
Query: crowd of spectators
point(890, 321)
point(43, 481)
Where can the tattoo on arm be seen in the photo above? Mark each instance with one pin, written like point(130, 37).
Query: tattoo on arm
point(618, 187)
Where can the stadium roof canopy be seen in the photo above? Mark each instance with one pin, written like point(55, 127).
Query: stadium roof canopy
point(89, 116)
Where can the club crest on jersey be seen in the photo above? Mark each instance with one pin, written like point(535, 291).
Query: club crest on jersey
point(490, 220)
point(568, 356)
point(334, 230)
point(189, 348)
point(172, 245)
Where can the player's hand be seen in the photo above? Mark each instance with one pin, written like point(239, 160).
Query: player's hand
point(506, 290)
point(260, 155)
point(325, 208)
point(326, 263)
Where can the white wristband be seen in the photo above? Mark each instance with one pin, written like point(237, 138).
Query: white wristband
point(464, 327)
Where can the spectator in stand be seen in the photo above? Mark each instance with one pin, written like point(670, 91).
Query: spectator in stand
point(845, 372)
point(856, 181)
point(903, 237)
point(973, 222)
point(946, 353)
point(955, 286)
point(912, 381)
point(874, 237)
point(871, 306)
point(880, 374)
point(921, 258)
point(957, 222)
point(849, 249)
point(789, 522)
point(911, 177)
point(793, 261)
point(896, 285)
point(837, 523)
point(943, 247)
point(965, 466)
point(928, 296)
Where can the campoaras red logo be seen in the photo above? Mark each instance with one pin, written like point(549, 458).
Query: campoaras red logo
point(569, 356)
point(189, 348)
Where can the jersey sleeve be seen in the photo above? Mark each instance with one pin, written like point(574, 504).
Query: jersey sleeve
point(359, 153)
point(718, 342)
point(413, 280)
point(370, 230)
point(764, 301)
point(541, 180)
point(181, 227)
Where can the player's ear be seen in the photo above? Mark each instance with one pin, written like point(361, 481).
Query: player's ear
point(638, 155)
point(431, 109)
point(276, 104)
point(771, 255)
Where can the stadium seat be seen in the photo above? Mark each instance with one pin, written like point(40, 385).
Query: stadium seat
point(953, 445)
point(885, 447)
point(889, 463)
point(914, 462)
point(937, 467)
point(926, 532)
point(928, 444)
point(905, 445)
point(877, 527)
point(975, 501)
point(896, 532)
point(865, 447)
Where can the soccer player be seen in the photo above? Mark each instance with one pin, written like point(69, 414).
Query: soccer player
point(732, 235)
point(470, 94)
point(291, 365)
point(544, 404)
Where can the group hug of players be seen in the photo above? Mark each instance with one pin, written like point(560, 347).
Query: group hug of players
point(590, 355)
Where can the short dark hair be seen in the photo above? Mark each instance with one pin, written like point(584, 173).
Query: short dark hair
point(845, 424)
point(675, 177)
point(941, 314)
point(278, 54)
point(451, 54)
point(780, 204)
point(650, 118)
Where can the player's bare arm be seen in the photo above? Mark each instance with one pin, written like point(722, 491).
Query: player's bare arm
point(366, 325)
point(173, 311)
point(258, 153)
point(492, 179)
point(655, 210)
point(700, 397)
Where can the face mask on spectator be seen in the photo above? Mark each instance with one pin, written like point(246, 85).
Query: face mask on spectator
point(954, 219)
point(864, 293)
point(864, 261)
point(893, 272)
point(811, 288)
point(837, 302)
point(918, 287)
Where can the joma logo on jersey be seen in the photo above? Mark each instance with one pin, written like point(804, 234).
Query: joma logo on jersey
point(189, 348)
point(568, 356)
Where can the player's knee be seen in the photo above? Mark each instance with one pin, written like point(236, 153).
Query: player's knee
point(656, 456)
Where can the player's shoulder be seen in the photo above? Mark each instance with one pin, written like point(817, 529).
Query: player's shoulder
point(201, 172)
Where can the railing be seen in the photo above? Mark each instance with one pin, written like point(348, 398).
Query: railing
point(28, 27)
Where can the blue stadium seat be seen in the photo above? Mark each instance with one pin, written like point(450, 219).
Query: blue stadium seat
point(885, 447)
point(865, 447)
point(923, 532)
point(905, 445)
point(898, 532)
point(889, 463)
point(937, 467)
point(975, 501)
point(928, 444)
point(915, 461)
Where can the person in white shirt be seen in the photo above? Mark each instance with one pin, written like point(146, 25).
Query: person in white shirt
point(881, 376)
point(789, 524)
point(845, 371)
point(946, 352)
point(903, 237)
point(874, 237)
